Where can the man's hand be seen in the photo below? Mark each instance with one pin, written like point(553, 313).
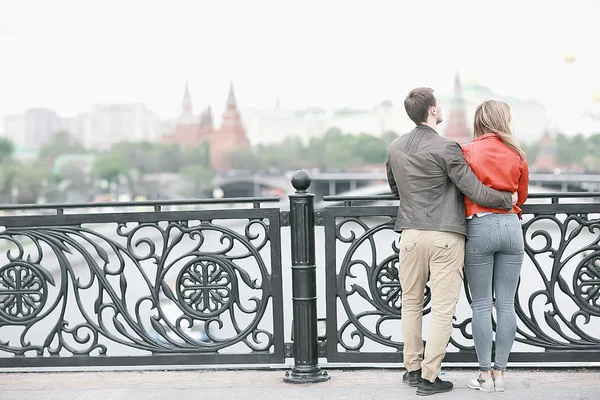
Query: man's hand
point(515, 198)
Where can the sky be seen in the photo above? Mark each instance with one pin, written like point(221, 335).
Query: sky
point(69, 55)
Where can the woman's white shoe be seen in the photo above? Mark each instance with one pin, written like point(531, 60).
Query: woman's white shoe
point(484, 385)
point(499, 385)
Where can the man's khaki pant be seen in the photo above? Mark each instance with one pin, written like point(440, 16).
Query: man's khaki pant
point(441, 256)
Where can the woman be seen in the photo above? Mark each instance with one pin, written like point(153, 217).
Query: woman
point(494, 249)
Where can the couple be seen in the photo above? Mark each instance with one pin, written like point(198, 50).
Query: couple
point(448, 196)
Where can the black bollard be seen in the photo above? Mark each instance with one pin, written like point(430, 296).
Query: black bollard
point(304, 284)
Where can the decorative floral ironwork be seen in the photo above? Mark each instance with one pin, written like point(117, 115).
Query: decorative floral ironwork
point(23, 290)
point(586, 282)
point(156, 287)
point(567, 320)
point(380, 290)
point(386, 283)
point(206, 286)
point(196, 287)
point(552, 313)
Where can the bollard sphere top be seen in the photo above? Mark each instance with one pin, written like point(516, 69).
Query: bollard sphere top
point(301, 180)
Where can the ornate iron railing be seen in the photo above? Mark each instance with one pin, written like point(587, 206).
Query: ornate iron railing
point(200, 282)
point(143, 287)
point(558, 300)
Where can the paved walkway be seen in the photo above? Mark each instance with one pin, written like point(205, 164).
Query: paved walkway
point(268, 385)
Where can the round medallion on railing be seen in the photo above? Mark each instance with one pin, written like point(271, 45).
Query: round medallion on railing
point(385, 285)
point(586, 282)
point(23, 292)
point(205, 286)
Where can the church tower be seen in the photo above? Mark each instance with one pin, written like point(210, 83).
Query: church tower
point(231, 137)
point(185, 132)
point(191, 130)
point(186, 106)
point(546, 160)
point(456, 124)
point(231, 124)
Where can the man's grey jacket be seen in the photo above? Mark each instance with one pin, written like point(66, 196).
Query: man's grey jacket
point(430, 175)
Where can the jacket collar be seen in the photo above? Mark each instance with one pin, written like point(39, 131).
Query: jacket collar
point(427, 128)
point(487, 136)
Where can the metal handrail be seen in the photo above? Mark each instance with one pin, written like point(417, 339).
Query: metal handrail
point(156, 203)
point(531, 196)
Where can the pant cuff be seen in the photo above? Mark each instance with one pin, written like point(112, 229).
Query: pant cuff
point(412, 367)
point(430, 376)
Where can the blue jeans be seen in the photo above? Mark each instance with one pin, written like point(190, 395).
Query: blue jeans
point(493, 257)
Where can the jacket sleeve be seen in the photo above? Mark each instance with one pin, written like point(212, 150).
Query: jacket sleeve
point(460, 173)
point(390, 178)
point(523, 190)
point(466, 149)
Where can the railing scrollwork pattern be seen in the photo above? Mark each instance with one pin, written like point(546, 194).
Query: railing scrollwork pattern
point(159, 286)
point(204, 286)
point(558, 300)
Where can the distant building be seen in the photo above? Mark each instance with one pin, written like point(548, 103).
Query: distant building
point(231, 136)
point(455, 126)
point(25, 153)
point(375, 121)
point(80, 128)
point(546, 160)
point(14, 129)
point(190, 130)
point(273, 126)
point(41, 124)
point(108, 124)
point(529, 119)
point(33, 129)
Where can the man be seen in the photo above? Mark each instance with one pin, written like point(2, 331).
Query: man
point(430, 175)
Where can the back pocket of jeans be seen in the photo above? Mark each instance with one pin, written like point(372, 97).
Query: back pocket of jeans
point(515, 235)
point(479, 238)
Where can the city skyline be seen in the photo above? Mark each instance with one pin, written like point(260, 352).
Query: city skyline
point(105, 125)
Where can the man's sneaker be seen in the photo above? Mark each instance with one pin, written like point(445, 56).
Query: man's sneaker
point(412, 378)
point(427, 388)
point(499, 383)
point(484, 385)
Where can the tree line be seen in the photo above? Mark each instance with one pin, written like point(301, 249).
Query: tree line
point(129, 163)
point(334, 150)
point(125, 163)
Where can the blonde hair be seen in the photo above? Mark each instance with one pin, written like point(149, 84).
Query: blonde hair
point(493, 116)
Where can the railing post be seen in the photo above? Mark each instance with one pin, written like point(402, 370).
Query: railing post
point(304, 284)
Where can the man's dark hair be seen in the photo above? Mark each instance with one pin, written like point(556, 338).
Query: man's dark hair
point(417, 104)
